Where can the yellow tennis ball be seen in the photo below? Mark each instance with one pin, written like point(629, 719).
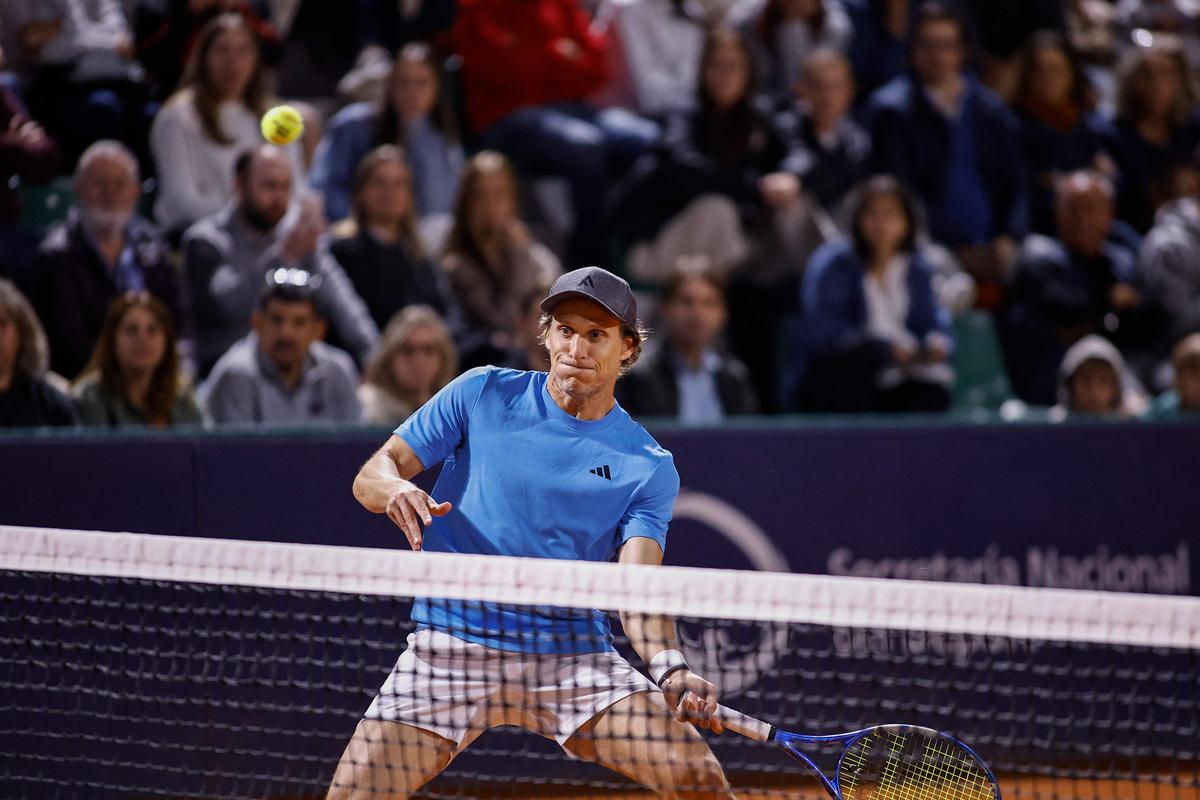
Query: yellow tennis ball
point(282, 125)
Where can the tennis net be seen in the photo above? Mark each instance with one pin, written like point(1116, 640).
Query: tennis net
point(138, 666)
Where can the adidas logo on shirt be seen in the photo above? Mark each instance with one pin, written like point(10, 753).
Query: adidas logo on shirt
point(602, 472)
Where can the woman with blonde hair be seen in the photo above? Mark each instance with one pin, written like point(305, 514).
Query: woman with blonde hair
point(209, 121)
point(134, 376)
point(27, 398)
point(415, 359)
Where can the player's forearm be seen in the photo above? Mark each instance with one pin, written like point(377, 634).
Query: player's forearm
point(376, 482)
point(649, 634)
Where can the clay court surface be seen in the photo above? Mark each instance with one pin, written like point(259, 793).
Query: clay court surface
point(1184, 787)
point(1021, 788)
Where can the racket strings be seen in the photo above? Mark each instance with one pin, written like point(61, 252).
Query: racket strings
point(907, 764)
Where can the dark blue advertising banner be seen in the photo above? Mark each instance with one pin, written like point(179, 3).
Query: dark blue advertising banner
point(1111, 507)
point(223, 705)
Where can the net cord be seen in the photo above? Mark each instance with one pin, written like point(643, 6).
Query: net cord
point(986, 610)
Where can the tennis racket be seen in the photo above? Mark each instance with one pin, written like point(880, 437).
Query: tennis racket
point(883, 762)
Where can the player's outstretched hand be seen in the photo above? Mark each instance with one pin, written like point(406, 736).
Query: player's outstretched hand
point(693, 699)
point(411, 508)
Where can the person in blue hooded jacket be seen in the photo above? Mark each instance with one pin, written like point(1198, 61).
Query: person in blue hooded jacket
point(872, 336)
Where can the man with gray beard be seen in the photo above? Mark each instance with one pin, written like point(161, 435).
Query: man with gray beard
point(102, 250)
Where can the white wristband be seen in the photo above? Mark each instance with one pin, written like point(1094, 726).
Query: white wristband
point(665, 663)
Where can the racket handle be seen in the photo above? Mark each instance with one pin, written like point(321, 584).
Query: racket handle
point(744, 724)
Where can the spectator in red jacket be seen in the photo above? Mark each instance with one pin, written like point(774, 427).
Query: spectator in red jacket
point(528, 66)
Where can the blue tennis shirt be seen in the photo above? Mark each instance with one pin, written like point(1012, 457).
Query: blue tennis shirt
point(528, 479)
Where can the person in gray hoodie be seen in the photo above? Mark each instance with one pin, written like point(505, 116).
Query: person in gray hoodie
point(281, 373)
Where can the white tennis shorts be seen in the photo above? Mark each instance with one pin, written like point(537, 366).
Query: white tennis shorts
point(459, 689)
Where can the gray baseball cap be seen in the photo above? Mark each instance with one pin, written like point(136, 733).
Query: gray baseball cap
point(596, 284)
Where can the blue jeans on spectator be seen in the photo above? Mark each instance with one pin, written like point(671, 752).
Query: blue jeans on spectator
point(584, 145)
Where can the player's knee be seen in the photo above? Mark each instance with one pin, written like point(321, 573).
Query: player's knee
point(346, 783)
point(703, 779)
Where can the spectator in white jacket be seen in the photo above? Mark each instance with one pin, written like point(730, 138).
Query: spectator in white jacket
point(209, 122)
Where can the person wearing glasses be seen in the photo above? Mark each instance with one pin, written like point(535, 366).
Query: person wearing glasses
point(281, 373)
point(415, 359)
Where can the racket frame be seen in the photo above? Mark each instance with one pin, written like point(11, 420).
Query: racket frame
point(787, 741)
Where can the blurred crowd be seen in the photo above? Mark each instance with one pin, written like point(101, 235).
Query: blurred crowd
point(829, 206)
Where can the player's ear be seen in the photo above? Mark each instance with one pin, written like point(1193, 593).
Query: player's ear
point(257, 318)
point(321, 328)
point(627, 350)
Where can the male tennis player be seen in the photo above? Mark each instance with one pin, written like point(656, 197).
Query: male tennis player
point(541, 465)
